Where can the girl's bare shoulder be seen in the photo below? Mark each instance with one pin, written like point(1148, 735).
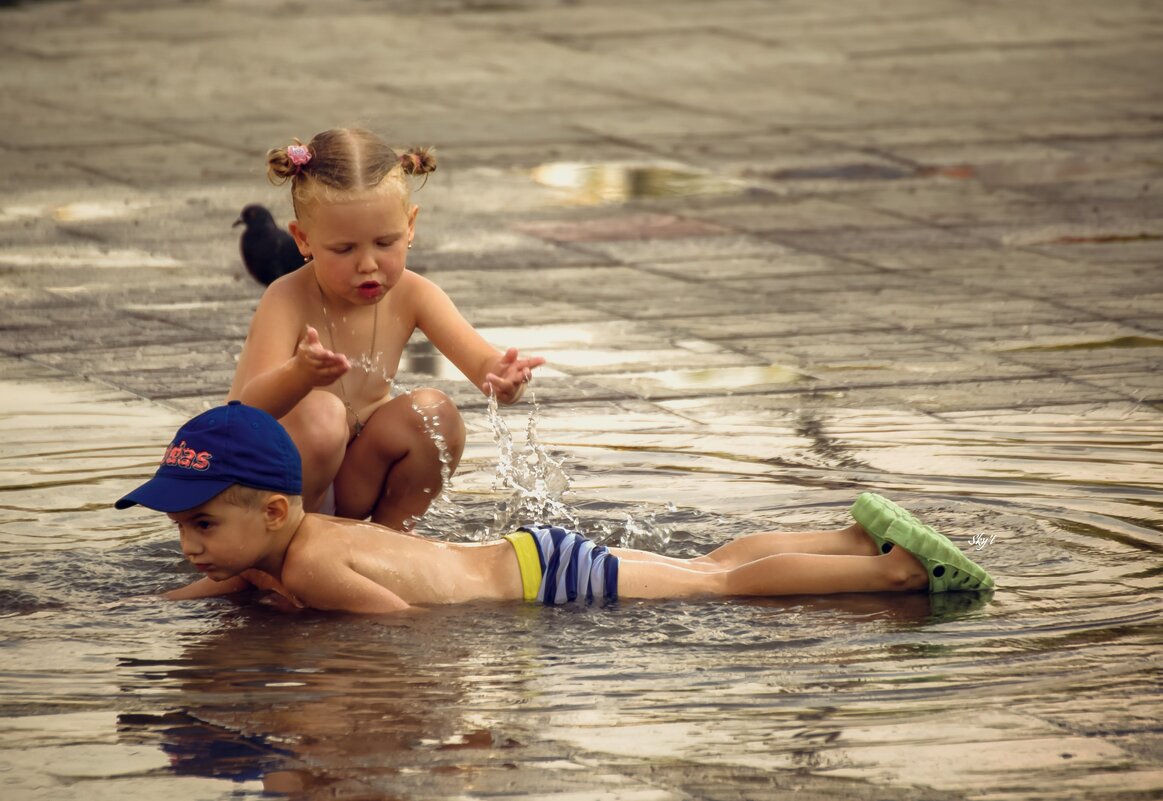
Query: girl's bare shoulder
point(415, 285)
point(293, 291)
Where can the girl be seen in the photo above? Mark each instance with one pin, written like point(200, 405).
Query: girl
point(325, 342)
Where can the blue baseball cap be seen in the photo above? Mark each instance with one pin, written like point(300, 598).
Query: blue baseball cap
point(231, 444)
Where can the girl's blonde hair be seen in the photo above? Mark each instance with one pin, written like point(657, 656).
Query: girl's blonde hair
point(340, 161)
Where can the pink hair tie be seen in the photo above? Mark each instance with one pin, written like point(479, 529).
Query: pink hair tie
point(298, 154)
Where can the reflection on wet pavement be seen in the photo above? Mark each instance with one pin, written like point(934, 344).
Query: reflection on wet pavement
point(1062, 506)
point(586, 184)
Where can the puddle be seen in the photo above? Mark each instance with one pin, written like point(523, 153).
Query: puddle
point(593, 184)
point(829, 696)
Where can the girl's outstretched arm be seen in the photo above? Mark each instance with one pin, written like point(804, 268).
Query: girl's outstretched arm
point(508, 377)
point(282, 359)
point(487, 368)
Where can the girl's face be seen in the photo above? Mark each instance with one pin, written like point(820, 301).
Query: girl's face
point(359, 246)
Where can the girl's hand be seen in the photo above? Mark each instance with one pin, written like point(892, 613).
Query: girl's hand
point(508, 377)
point(321, 366)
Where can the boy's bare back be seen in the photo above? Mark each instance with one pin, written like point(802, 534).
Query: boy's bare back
point(335, 563)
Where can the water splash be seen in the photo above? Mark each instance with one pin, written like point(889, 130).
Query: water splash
point(535, 482)
point(645, 531)
point(432, 428)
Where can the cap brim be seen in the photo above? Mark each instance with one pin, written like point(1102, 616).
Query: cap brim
point(165, 494)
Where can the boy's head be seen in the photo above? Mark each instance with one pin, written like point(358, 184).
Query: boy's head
point(226, 446)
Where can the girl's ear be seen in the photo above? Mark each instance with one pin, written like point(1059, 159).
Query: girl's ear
point(412, 224)
point(300, 238)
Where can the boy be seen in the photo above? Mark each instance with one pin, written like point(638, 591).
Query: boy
point(231, 481)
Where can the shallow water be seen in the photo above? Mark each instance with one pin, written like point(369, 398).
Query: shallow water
point(1048, 688)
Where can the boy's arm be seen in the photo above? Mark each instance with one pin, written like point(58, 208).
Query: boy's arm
point(483, 365)
point(207, 588)
point(334, 586)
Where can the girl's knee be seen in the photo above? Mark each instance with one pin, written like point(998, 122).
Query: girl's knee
point(318, 425)
point(437, 414)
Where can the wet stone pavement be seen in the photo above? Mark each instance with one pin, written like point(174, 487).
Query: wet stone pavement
point(941, 209)
point(933, 206)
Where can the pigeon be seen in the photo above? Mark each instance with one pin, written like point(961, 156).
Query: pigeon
point(268, 251)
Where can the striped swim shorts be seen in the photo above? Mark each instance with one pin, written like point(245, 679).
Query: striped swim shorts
point(560, 566)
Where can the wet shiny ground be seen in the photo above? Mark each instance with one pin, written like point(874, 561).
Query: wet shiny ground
point(775, 254)
point(1048, 688)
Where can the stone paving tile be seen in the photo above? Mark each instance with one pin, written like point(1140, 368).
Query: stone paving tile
point(697, 301)
point(531, 310)
point(594, 362)
point(1133, 249)
point(1153, 324)
point(715, 379)
point(1140, 386)
point(622, 227)
point(826, 284)
point(684, 249)
point(987, 263)
point(1148, 304)
point(799, 214)
point(867, 242)
point(563, 333)
point(439, 262)
point(188, 359)
point(66, 332)
point(973, 308)
point(1061, 334)
point(817, 321)
point(865, 357)
point(1118, 356)
point(787, 263)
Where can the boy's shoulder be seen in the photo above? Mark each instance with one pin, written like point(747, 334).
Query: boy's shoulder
point(319, 548)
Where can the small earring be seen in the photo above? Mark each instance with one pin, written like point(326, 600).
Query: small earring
point(409, 246)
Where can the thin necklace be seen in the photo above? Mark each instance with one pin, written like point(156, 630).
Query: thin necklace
point(356, 425)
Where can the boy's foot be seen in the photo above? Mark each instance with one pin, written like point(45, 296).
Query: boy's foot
point(889, 524)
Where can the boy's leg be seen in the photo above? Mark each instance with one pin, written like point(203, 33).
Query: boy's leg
point(318, 425)
point(779, 574)
point(851, 541)
point(392, 470)
point(813, 574)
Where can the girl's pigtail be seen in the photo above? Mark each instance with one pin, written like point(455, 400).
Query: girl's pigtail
point(418, 161)
point(284, 163)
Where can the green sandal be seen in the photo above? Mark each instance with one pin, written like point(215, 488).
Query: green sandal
point(888, 524)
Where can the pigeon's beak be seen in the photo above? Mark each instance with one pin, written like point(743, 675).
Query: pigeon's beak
point(236, 223)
